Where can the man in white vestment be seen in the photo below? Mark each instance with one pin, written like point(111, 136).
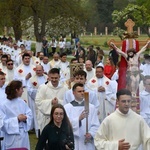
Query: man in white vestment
point(46, 65)
point(54, 63)
point(80, 77)
point(106, 92)
point(63, 62)
point(146, 67)
point(34, 82)
point(89, 70)
point(24, 72)
point(123, 129)
point(3, 67)
point(40, 57)
point(49, 94)
point(84, 132)
point(145, 100)
point(9, 71)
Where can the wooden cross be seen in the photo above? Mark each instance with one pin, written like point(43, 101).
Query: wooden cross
point(129, 24)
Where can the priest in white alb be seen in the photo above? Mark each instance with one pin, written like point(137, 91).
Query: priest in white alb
point(49, 94)
point(34, 82)
point(24, 72)
point(106, 92)
point(124, 129)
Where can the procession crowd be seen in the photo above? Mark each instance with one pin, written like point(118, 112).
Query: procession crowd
point(72, 105)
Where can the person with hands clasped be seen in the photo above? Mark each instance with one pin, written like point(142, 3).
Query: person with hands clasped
point(17, 118)
point(124, 129)
point(49, 94)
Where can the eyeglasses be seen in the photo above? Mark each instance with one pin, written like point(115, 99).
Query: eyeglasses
point(10, 64)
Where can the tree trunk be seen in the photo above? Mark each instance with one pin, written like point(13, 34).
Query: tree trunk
point(16, 21)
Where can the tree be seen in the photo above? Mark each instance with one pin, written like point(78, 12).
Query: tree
point(105, 9)
point(41, 11)
point(139, 14)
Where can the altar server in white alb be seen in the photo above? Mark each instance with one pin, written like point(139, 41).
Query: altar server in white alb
point(17, 118)
point(77, 115)
point(124, 129)
point(145, 100)
point(80, 77)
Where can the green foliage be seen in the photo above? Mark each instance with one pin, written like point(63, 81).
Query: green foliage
point(119, 32)
point(105, 9)
point(63, 26)
point(139, 14)
point(119, 5)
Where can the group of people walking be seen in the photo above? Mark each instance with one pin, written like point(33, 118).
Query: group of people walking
point(69, 113)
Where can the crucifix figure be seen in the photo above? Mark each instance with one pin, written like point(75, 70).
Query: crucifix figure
point(133, 72)
point(127, 44)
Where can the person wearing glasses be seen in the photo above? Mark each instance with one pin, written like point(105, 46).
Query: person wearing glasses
point(58, 132)
point(9, 71)
point(124, 129)
point(145, 100)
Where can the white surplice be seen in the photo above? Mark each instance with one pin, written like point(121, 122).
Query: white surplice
point(20, 74)
point(106, 99)
point(45, 94)
point(90, 74)
point(73, 112)
point(117, 126)
point(145, 106)
point(32, 86)
point(15, 132)
point(9, 75)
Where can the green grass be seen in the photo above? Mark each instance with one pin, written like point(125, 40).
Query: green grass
point(33, 140)
point(97, 41)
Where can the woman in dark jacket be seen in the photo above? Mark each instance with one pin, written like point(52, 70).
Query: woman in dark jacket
point(58, 133)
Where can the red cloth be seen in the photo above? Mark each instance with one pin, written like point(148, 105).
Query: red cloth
point(123, 67)
point(109, 71)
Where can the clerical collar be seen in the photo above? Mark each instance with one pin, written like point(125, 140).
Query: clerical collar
point(77, 103)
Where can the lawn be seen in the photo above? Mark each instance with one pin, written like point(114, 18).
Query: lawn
point(33, 140)
point(97, 41)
